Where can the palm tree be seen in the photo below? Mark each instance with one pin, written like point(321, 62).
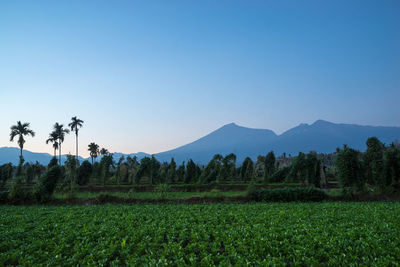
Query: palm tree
point(75, 125)
point(21, 129)
point(53, 138)
point(104, 151)
point(94, 150)
point(60, 131)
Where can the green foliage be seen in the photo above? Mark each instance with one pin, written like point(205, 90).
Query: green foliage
point(84, 173)
point(44, 189)
point(392, 166)
point(269, 165)
point(257, 234)
point(192, 173)
point(180, 172)
point(106, 163)
point(149, 167)
point(298, 172)
point(280, 175)
point(171, 174)
point(214, 193)
point(247, 170)
point(5, 173)
point(313, 169)
point(162, 189)
point(71, 171)
point(373, 160)
point(250, 190)
point(289, 194)
point(17, 194)
point(350, 169)
point(212, 170)
point(53, 162)
point(227, 170)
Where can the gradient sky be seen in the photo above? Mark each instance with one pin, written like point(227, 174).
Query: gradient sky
point(153, 75)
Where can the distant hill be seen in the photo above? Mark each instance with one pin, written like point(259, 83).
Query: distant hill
point(321, 136)
point(230, 138)
point(11, 154)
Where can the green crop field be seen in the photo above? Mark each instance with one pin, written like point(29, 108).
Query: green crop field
point(202, 235)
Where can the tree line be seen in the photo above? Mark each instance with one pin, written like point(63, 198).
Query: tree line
point(378, 167)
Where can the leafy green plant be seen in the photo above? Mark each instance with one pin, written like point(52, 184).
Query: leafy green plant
point(303, 234)
point(162, 189)
point(214, 193)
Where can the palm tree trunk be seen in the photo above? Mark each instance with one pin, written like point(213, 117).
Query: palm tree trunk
point(77, 146)
point(55, 152)
point(59, 153)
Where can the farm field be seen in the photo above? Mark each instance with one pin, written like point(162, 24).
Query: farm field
point(334, 233)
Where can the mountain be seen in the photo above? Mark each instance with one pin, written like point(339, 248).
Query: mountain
point(230, 138)
point(11, 154)
point(321, 136)
point(324, 137)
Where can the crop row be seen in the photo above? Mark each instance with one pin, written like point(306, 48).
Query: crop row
point(202, 235)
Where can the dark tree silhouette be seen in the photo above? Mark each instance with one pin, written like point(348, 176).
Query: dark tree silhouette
point(75, 125)
point(21, 129)
point(60, 131)
point(94, 150)
point(53, 138)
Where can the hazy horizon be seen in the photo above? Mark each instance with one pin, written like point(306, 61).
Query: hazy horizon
point(149, 77)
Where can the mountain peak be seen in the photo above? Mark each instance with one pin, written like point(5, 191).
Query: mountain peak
point(232, 124)
point(322, 122)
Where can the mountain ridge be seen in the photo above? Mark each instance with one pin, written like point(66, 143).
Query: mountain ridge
point(321, 136)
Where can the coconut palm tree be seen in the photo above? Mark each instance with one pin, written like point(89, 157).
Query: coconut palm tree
point(21, 129)
point(60, 131)
point(75, 125)
point(104, 151)
point(53, 138)
point(94, 150)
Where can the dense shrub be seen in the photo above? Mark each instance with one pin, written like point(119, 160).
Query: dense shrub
point(162, 189)
point(17, 194)
point(289, 194)
point(44, 189)
point(351, 173)
point(53, 162)
point(214, 193)
point(280, 175)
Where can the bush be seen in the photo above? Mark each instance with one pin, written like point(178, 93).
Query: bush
point(17, 194)
point(214, 193)
point(250, 189)
point(289, 194)
point(44, 189)
point(162, 189)
point(351, 173)
point(280, 175)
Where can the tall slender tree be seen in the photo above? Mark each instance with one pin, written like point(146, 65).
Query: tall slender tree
point(53, 138)
point(60, 131)
point(75, 125)
point(93, 150)
point(104, 151)
point(21, 129)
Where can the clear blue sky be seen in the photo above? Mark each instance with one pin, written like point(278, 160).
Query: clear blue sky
point(153, 75)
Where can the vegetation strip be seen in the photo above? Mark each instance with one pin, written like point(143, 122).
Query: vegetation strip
point(203, 235)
